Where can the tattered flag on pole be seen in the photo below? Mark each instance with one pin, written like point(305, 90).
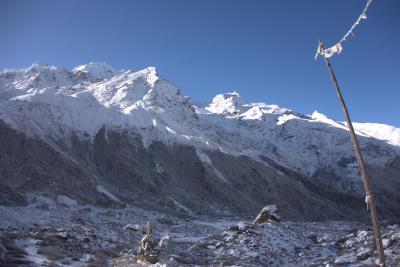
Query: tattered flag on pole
point(337, 48)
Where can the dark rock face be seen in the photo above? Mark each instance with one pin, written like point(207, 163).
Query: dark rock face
point(30, 165)
point(115, 168)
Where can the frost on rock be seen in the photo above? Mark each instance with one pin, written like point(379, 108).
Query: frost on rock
point(165, 241)
point(267, 214)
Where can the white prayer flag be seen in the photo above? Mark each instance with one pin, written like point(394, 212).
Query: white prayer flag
point(337, 48)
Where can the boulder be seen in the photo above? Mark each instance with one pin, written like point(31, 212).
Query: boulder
point(363, 255)
point(240, 227)
point(267, 214)
point(165, 241)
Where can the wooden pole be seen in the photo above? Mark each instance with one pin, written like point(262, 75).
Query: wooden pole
point(361, 164)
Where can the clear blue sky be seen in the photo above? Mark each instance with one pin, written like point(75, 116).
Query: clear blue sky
point(262, 49)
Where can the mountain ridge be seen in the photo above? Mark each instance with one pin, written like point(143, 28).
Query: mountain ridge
point(79, 111)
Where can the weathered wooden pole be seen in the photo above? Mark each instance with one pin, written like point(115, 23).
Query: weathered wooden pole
point(361, 164)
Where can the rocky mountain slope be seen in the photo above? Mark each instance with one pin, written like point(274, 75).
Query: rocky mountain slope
point(106, 137)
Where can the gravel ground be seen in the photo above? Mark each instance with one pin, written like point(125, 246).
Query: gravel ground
point(48, 233)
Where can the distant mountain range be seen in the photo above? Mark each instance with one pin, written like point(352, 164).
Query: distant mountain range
point(109, 137)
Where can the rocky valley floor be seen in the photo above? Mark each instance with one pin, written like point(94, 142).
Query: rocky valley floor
point(59, 233)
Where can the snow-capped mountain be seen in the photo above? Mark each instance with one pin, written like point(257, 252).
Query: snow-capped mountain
point(105, 136)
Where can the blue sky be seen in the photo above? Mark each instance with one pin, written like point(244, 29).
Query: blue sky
point(262, 49)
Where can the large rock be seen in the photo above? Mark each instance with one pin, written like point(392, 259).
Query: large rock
point(267, 214)
point(165, 241)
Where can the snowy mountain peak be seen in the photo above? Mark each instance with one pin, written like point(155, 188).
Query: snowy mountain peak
point(134, 89)
point(97, 70)
point(94, 94)
point(231, 104)
point(318, 116)
point(150, 74)
point(228, 104)
point(37, 68)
